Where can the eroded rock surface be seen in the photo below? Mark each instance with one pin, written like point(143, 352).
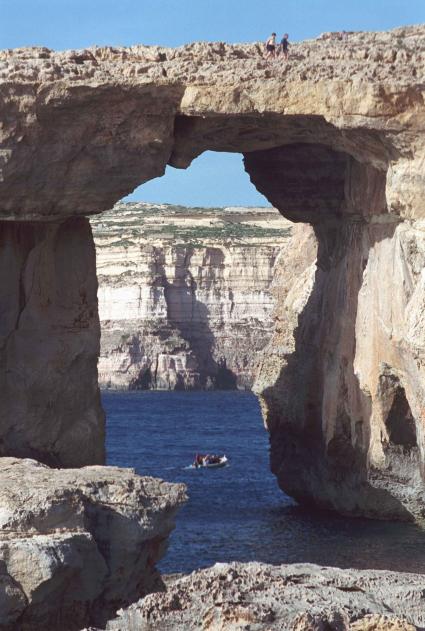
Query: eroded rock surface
point(76, 544)
point(185, 297)
point(299, 597)
point(335, 137)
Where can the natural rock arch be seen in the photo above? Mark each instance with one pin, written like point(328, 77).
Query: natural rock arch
point(337, 144)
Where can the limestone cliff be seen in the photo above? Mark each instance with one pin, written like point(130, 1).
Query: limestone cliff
point(335, 137)
point(184, 294)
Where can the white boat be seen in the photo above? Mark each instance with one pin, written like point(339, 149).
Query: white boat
point(204, 464)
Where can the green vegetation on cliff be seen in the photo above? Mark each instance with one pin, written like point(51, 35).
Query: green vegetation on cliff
point(127, 223)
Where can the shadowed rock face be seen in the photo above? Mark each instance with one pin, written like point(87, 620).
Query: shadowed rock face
point(346, 437)
point(334, 138)
point(49, 343)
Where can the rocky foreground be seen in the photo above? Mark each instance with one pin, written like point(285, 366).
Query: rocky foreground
point(77, 544)
point(185, 294)
point(258, 597)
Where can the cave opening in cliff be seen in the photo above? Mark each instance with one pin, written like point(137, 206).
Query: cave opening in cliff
point(400, 422)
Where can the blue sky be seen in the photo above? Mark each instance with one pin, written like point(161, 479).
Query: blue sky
point(76, 23)
point(213, 179)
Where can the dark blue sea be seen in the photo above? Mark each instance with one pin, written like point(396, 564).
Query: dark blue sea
point(238, 512)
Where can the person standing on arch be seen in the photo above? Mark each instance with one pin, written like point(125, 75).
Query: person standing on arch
point(284, 46)
point(270, 48)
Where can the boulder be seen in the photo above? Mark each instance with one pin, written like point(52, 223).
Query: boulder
point(76, 544)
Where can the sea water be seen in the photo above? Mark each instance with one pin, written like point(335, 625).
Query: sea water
point(238, 513)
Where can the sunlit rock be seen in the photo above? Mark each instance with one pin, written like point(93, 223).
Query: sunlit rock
point(299, 597)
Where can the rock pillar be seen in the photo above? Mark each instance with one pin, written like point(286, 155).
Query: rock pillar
point(342, 387)
point(49, 343)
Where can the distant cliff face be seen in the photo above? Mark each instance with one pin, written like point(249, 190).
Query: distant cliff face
point(185, 295)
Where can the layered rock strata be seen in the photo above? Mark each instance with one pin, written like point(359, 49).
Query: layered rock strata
point(335, 138)
point(300, 597)
point(185, 297)
point(77, 544)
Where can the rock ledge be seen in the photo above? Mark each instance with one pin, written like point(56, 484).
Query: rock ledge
point(301, 597)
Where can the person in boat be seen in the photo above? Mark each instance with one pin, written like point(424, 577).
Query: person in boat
point(199, 459)
point(203, 460)
point(212, 459)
